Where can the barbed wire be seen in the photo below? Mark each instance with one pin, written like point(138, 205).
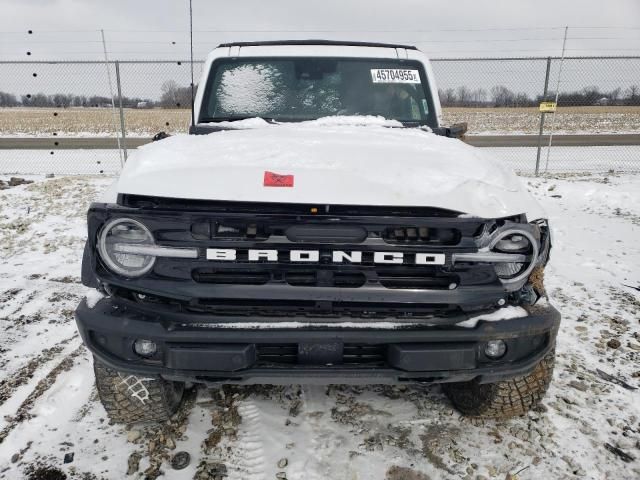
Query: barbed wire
point(173, 42)
point(466, 29)
point(594, 44)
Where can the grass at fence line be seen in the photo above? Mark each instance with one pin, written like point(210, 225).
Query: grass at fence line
point(526, 120)
point(147, 122)
point(90, 121)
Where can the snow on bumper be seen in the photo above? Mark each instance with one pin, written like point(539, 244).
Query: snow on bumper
point(196, 348)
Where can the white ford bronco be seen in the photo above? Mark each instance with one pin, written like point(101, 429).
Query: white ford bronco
point(318, 224)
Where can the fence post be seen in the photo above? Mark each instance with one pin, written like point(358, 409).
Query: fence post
point(553, 118)
point(544, 97)
point(122, 127)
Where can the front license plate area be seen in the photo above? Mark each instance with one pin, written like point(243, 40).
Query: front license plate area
point(320, 353)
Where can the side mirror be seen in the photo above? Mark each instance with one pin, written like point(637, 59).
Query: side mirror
point(457, 130)
point(454, 131)
point(160, 136)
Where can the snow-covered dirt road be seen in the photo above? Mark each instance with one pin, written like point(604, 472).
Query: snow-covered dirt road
point(588, 425)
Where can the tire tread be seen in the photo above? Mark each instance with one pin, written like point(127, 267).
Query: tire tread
point(124, 408)
point(503, 399)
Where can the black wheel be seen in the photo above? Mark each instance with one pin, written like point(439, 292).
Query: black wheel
point(504, 399)
point(131, 398)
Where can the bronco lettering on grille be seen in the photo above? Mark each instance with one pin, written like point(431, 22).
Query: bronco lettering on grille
point(313, 256)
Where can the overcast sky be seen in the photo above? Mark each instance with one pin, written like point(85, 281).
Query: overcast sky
point(148, 29)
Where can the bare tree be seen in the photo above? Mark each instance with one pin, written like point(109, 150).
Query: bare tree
point(169, 90)
point(479, 96)
point(614, 95)
point(37, 100)
point(521, 100)
point(633, 95)
point(62, 100)
point(447, 97)
point(8, 100)
point(464, 96)
point(502, 96)
point(173, 95)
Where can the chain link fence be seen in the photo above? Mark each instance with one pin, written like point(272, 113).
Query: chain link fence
point(57, 117)
point(598, 102)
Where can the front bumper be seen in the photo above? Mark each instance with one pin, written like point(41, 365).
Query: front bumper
point(197, 348)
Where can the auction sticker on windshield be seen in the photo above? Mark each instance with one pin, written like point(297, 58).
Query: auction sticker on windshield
point(394, 75)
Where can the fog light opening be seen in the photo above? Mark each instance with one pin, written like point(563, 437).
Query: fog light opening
point(495, 349)
point(145, 348)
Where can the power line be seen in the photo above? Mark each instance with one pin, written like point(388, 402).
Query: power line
point(456, 29)
point(472, 40)
point(207, 51)
point(297, 30)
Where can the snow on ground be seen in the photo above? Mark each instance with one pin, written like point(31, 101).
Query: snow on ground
point(49, 407)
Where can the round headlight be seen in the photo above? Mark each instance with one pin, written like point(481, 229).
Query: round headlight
point(115, 244)
point(520, 242)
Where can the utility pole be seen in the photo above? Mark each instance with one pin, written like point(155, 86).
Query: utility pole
point(542, 114)
point(113, 101)
point(553, 119)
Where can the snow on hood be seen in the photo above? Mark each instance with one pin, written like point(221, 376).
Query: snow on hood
point(349, 161)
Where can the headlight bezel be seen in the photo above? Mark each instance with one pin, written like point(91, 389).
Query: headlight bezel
point(492, 234)
point(112, 264)
point(534, 243)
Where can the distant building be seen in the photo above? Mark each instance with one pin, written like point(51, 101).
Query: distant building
point(602, 101)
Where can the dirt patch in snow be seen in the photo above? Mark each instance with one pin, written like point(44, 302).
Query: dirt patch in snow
point(24, 411)
point(24, 374)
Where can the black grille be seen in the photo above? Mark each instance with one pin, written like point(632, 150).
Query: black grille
point(360, 354)
point(395, 277)
point(319, 310)
point(231, 277)
point(416, 278)
point(262, 208)
point(421, 235)
point(263, 230)
point(325, 278)
point(278, 354)
point(353, 354)
point(345, 286)
point(295, 277)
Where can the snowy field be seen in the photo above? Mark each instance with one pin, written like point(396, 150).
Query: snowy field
point(522, 159)
point(49, 410)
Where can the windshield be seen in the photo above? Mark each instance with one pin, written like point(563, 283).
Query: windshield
point(297, 89)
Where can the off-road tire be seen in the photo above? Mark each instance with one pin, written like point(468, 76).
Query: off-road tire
point(131, 398)
point(504, 399)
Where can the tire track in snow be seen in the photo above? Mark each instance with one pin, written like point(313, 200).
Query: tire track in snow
point(23, 412)
point(25, 373)
point(14, 300)
point(87, 407)
point(250, 463)
point(321, 461)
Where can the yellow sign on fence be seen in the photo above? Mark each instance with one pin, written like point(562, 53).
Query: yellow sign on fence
point(548, 107)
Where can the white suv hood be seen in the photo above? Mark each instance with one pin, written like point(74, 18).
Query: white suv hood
point(333, 162)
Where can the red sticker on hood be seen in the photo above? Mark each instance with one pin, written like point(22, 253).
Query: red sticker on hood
point(277, 180)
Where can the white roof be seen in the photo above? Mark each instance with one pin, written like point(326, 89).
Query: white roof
point(319, 50)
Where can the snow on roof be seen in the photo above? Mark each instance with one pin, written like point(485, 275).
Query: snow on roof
point(316, 42)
